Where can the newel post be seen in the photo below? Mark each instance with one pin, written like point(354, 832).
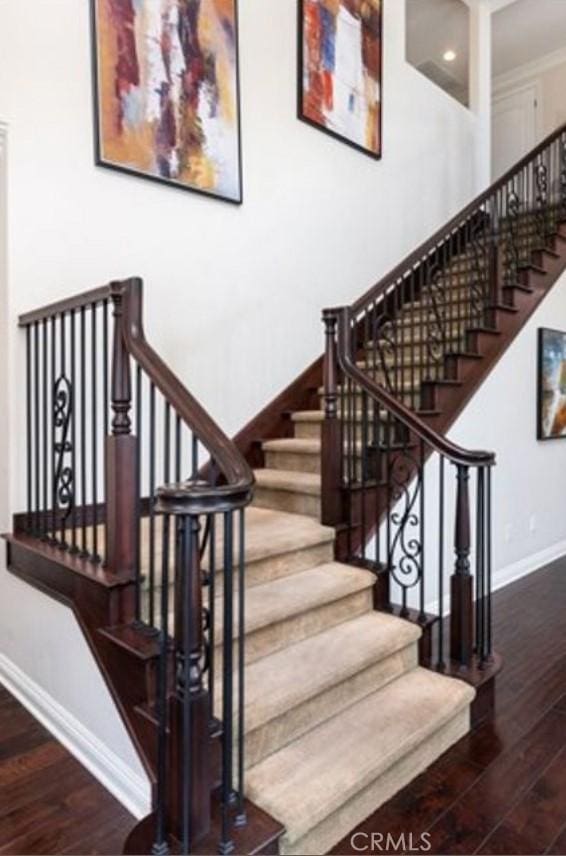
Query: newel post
point(331, 452)
point(461, 613)
point(121, 453)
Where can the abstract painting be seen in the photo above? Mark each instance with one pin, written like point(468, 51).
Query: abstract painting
point(340, 69)
point(551, 384)
point(167, 92)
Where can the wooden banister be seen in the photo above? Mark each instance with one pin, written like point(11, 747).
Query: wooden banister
point(440, 236)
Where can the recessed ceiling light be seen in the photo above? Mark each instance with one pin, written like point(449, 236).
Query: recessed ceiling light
point(449, 56)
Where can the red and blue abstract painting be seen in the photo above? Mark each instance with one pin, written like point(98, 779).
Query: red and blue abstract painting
point(340, 87)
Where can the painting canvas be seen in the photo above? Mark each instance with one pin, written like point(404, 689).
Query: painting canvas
point(340, 74)
point(551, 384)
point(167, 92)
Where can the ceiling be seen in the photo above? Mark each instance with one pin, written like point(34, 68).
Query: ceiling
point(527, 30)
point(433, 27)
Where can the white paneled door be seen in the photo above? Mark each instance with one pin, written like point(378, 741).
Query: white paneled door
point(514, 127)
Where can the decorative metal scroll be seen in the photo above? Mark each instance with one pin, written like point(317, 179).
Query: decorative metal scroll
point(512, 257)
point(479, 268)
point(63, 479)
point(438, 298)
point(406, 549)
point(541, 181)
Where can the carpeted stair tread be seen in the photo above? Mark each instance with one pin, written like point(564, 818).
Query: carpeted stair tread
point(315, 776)
point(284, 680)
point(271, 533)
point(284, 598)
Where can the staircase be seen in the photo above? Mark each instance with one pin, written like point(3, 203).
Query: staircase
point(288, 647)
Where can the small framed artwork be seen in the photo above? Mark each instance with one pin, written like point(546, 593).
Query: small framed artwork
point(167, 93)
point(551, 417)
point(341, 70)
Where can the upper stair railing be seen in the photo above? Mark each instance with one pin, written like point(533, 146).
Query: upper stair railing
point(384, 466)
point(127, 473)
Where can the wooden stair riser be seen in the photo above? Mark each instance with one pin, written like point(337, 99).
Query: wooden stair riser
point(292, 502)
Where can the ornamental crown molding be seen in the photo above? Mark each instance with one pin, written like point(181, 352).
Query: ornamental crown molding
point(528, 70)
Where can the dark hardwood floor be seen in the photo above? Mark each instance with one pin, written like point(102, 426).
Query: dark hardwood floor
point(48, 802)
point(502, 788)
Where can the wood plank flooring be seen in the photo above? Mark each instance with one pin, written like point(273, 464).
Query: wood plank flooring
point(502, 788)
point(48, 802)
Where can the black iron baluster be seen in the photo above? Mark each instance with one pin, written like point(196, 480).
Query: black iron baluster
point(489, 549)
point(241, 813)
point(29, 431)
point(152, 486)
point(54, 506)
point(440, 664)
point(480, 566)
point(167, 442)
point(178, 448)
point(73, 345)
point(212, 605)
point(139, 488)
point(226, 844)
point(37, 444)
point(46, 425)
point(84, 520)
point(187, 571)
point(106, 365)
point(194, 457)
point(94, 438)
point(161, 846)
point(422, 613)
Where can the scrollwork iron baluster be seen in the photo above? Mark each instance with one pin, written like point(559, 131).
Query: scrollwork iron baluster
point(63, 480)
point(405, 558)
point(541, 180)
point(512, 259)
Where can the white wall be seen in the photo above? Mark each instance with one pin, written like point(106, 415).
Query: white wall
point(529, 519)
point(549, 75)
point(233, 295)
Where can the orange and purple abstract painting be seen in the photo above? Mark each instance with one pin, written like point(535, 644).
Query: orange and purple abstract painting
point(167, 92)
point(341, 69)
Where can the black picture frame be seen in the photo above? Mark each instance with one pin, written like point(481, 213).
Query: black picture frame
point(377, 156)
point(156, 179)
point(543, 332)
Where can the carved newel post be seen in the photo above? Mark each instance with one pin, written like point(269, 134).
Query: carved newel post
point(121, 453)
point(461, 614)
point(331, 462)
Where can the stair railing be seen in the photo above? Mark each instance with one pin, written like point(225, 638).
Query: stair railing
point(385, 358)
point(392, 468)
point(129, 474)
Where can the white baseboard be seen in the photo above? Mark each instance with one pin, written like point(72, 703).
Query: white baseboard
point(131, 789)
point(511, 573)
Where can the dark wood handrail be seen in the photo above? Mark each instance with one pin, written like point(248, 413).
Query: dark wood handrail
point(78, 301)
point(454, 453)
point(233, 466)
point(445, 231)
